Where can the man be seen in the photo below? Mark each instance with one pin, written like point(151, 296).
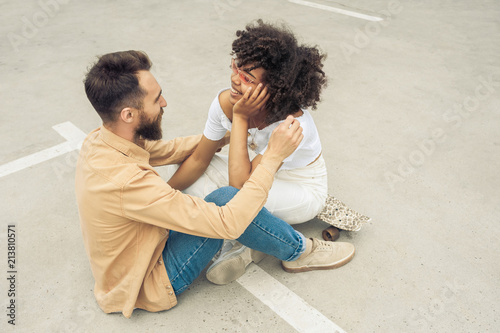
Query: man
point(147, 241)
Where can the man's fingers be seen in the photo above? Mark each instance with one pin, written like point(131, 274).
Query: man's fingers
point(297, 136)
point(294, 129)
point(286, 137)
point(299, 140)
point(288, 121)
point(295, 133)
point(295, 124)
point(291, 128)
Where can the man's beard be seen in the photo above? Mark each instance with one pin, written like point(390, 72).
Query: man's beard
point(152, 130)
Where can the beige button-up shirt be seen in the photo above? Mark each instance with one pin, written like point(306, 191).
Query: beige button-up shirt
point(126, 211)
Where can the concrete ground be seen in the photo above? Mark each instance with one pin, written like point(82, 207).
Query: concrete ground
point(409, 125)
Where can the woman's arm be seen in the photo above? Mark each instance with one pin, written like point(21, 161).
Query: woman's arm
point(194, 166)
point(240, 166)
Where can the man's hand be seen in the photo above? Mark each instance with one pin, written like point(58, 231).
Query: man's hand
point(284, 140)
point(250, 105)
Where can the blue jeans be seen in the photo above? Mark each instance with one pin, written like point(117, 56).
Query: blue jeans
point(185, 256)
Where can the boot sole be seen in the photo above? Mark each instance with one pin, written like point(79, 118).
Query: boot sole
point(318, 268)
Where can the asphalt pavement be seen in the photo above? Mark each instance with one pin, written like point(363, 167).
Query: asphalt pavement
point(409, 126)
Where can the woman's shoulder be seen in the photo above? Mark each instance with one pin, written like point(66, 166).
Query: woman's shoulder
point(219, 99)
point(307, 119)
point(216, 112)
point(217, 123)
point(306, 115)
point(225, 105)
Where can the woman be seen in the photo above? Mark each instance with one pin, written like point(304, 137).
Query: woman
point(273, 77)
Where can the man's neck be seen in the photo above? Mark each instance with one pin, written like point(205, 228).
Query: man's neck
point(124, 133)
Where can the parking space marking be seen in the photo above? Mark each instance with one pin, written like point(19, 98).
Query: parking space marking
point(288, 305)
point(337, 10)
point(74, 138)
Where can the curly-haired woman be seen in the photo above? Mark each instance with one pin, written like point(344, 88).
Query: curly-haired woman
point(272, 76)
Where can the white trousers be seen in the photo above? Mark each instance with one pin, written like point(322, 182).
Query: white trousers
point(296, 196)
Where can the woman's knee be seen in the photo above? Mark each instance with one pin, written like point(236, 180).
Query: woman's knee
point(222, 196)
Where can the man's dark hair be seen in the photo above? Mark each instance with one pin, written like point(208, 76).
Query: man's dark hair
point(112, 83)
point(294, 74)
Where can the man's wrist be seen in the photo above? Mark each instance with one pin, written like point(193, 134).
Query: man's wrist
point(271, 162)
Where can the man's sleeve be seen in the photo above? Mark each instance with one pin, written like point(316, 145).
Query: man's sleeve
point(173, 151)
point(148, 199)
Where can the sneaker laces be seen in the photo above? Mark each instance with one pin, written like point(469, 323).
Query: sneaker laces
point(321, 245)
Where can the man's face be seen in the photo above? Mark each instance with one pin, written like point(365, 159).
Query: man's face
point(149, 129)
point(150, 115)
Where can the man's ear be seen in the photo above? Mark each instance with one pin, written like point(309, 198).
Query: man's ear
point(127, 115)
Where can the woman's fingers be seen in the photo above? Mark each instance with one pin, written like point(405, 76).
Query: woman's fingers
point(247, 94)
point(259, 94)
point(256, 92)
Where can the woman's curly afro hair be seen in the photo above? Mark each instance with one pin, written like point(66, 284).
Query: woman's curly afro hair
point(294, 75)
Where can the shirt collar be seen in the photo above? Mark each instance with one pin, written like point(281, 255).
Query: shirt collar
point(123, 145)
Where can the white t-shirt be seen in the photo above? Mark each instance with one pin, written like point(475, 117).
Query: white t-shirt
point(217, 124)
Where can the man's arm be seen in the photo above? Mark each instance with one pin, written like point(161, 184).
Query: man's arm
point(173, 151)
point(148, 199)
point(194, 166)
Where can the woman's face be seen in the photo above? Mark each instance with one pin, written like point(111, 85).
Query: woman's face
point(242, 78)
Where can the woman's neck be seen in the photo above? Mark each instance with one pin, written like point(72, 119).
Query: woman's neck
point(258, 121)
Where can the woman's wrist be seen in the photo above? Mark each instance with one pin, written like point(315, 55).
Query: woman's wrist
point(240, 117)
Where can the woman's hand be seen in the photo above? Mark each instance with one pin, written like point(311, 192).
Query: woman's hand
point(250, 105)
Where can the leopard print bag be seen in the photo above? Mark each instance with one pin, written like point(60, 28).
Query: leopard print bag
point(340, 216)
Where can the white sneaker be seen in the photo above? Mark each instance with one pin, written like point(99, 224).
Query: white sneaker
point(232, 264)
point(227, 245)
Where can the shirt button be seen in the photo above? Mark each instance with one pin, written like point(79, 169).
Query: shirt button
point(168, 287)
point(170, 293)
point(160, 262)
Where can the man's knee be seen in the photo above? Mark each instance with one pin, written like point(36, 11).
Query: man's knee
point(222, 196)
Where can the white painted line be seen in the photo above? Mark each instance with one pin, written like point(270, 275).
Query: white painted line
point(70, 132)
point(283, 301)
point(337, 10)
